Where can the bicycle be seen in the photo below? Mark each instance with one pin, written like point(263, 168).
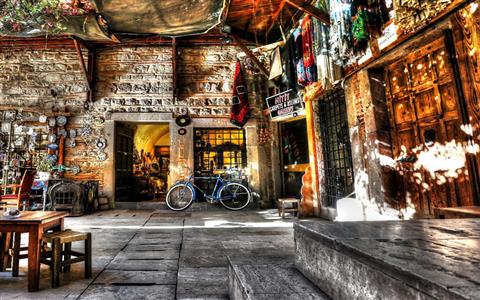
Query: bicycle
point(232, 195)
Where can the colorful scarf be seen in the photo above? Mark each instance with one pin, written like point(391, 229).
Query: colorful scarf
point(240, 110)
point(298, 58)
point(307, 47)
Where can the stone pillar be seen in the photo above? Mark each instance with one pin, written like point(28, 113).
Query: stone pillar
point(310, 201)
point(369, 134)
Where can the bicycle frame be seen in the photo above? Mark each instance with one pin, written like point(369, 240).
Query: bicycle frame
point(214, 197)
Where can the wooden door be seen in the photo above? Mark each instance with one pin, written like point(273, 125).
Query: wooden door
point(123, 163)
point(425, 118)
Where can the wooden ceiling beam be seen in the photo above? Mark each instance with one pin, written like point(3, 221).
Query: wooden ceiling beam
point(310, 10)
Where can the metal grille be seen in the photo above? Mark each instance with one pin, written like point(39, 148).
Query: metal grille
point(336, 146)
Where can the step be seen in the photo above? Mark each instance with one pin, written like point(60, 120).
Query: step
point(268, 277)
point(426, 259)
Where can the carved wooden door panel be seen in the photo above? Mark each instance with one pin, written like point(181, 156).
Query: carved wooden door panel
point(425, 121)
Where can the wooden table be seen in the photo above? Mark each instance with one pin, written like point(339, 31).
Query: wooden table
point(35, 223)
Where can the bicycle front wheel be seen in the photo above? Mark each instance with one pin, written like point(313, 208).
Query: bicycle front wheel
point(179, 197)
point(234, 196)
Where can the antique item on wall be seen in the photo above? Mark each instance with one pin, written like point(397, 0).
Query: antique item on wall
point(42, 119)
point(19, 141)
point(102, 156)
point(52, 147)
point(52, 122)
point(52, 138)
point(70, 143)
point(73, 133)
point(86, 130)
point(62, 133)
point(61, 120)
point(182, 131)
point(9, 115)
point(240, 110)
point(101, 143)
point(98, 121)
point(183, 120)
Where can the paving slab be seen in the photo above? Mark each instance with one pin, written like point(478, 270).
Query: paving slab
point(143, 265)
point(118, 277)
point(153, 292)
point(149, 255)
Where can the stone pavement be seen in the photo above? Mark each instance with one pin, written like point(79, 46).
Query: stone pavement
point(161, 254)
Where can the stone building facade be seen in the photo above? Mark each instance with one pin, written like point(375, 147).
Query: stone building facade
point(132, 84)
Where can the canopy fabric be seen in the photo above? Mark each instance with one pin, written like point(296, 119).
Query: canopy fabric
point(166, 17)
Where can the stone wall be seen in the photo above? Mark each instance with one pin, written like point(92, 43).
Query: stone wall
point(128, 80)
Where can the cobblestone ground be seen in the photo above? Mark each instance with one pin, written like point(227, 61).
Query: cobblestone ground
point(161, 254)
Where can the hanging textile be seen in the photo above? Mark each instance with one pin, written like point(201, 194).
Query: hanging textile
point(289, 76)
point(341, 39)
point(298, 57)
point(327, 71)
point(307, 49)
point(275, 64)
point(240, 110)
point(369, 18)
point(411, 14)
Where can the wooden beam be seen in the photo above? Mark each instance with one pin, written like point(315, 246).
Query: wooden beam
point(310, 10)
point(78, 48)
point(91, 74)
point(252, 56)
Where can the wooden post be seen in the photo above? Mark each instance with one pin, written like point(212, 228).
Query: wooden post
point(82, 62)
point(252, 56)
point(310, 10)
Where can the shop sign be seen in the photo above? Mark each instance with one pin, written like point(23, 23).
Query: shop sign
point(389, 36)
point(284, 105)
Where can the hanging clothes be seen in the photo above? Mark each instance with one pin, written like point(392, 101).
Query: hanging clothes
point(327, 71)
point(275, 64)
point(298, 58)
point(240, 110)
point(341, 39)
point(289, 76)
point(307, 49)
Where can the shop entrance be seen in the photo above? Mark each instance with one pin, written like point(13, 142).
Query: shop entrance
point(295, 158)
point(142, 159)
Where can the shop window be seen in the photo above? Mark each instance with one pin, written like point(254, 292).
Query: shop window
point(336, 146)
point(217, 149)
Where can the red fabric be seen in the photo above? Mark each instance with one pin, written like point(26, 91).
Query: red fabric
point(307, 47)
point(240, 110)
point(8, 197)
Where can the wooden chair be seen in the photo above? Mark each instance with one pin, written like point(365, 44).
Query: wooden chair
point(58, 258)
point(21, 191)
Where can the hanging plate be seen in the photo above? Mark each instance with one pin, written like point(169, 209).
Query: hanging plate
point(52, 122)
point(62, 133)
point(182, 131)
point(61, 120)
point(52, 138)
point(183, 120)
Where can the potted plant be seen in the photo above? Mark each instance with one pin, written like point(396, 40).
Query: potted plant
point(44, 168)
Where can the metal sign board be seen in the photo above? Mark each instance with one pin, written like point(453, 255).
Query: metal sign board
point(284, 105)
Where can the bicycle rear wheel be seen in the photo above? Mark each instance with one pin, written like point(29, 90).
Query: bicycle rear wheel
point(234, 196)
point(179, 197)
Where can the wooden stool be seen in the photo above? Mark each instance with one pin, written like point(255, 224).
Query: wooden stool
point(283, 207)
point(57, 240)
